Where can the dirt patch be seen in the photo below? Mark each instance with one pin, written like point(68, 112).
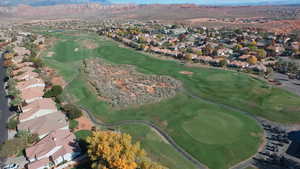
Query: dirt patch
point(122, 85)
point(53, 77)
point(84, 123)
point(57, 80)
point(89, 44)
point(186, 73)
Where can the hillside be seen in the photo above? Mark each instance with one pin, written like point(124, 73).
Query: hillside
point(207, 2)
point(48, 2)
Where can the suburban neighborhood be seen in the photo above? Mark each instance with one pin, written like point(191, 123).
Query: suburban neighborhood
point(51, 142)
point(149, 86)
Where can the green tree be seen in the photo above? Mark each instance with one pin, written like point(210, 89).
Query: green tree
point(54, 91)
point(261, 54)
point(12, 123)
point(223, 63)
point(72, 111)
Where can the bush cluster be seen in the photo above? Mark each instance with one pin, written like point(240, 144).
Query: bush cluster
point(72, 111)
point(54, 91)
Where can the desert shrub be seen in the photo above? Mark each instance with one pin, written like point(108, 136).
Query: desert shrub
point(59, 99)
point(28, 137)
point(73, 124)
point(12, 123)
point(54, 91)
point(12, 147)
point(72, 111)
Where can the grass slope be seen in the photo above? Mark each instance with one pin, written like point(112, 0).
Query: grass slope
point(216, 136)
point(156, 148)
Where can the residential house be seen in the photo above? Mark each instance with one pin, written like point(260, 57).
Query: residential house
point(32, 94)
point(26, 76)
point(21, 51)
point(54, 149)
point(34, 82)
point(45, 124)
point(238, 64)
point(224, 52)
point(22, 70)
point(37, 109)
point(24, 64)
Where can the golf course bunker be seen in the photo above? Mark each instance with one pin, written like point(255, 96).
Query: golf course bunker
point(122, 85)
point(220, 128)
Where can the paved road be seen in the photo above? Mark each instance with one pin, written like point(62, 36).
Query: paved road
point(4, 109)
point(291, 85)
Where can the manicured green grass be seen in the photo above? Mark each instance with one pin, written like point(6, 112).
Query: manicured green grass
point(157, 148)
point(231, 88)
point(73, 124)
point(216, 136)
point(82, 134)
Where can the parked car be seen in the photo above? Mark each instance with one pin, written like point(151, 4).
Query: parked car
point(11, 166)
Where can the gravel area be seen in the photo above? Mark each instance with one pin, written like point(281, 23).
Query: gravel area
point(122, 85)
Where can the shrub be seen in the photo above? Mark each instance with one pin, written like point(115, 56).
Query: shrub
point(73, 124)
point(12, 147)
point(72, 111)
point(28, 137)
point(59, 99)
point(12, 123)
point(54, 91)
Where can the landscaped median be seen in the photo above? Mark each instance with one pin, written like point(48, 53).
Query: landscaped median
point(216, 136)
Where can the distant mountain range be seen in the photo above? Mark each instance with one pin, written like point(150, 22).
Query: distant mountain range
point(48, 2)
point(200, 2)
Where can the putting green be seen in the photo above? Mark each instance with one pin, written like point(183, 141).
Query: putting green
point(228, 126)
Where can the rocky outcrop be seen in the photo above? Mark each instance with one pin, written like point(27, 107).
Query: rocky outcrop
point(122, 85)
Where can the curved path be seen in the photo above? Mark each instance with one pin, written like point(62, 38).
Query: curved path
point(241, 165)
point(153, 126)
point(248, 162)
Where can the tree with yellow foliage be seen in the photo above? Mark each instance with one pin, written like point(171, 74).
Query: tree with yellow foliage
point(252, 60)
point(8, 56)
point(112, 150)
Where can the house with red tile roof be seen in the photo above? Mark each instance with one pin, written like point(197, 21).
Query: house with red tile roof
point(23, 70)
point(26, 76)
point(24, 64)
point(21, 51)
point(45, 124)
point(55, 148)
point(32, 94)
point(37, 109)
point(34, 82)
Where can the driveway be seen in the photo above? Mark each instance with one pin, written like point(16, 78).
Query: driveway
point(21, 161)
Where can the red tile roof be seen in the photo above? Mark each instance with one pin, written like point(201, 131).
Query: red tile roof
point(44, 124)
